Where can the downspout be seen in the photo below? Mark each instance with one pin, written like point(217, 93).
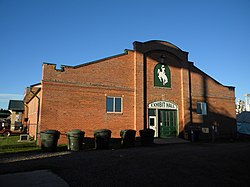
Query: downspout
point(27, 112)
point(145, 107)
point(190, 94)
point(38, 114)
point(26, 115)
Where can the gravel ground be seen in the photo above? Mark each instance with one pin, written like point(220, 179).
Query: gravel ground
point(199, 164)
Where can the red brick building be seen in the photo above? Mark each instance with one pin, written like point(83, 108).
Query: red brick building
point(154, 85)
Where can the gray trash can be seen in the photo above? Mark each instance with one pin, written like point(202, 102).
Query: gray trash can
point(49, 139)
point(75, 139)
point(128, 138)
point(102, 137)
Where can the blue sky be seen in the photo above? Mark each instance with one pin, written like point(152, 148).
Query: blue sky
point(216, 33)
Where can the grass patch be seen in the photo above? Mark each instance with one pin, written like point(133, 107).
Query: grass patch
point(11, 145)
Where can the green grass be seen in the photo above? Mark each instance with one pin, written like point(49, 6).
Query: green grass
point(11, 145)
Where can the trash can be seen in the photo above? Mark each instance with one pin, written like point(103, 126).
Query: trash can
point(102, 137)
point(186, 137)
point(75, 139)
point(147, 137)
point(127, 138)
point(195, 135)
point(49, 139)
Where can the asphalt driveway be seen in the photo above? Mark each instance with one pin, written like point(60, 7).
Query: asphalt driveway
point(198, 164)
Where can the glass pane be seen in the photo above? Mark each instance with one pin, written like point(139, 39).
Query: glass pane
point(199, 110)
point(171, 118)
point(204, 108)
point(175, 118)
point(151, 112)
point(160, 117)
point(152, 122)
point(164, 118)
point(168, 118)
point(110, 104)
point(118, 104)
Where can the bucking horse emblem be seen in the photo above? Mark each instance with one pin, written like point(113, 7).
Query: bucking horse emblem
point(162, 75)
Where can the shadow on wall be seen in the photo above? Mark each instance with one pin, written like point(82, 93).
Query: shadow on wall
point(214, 125)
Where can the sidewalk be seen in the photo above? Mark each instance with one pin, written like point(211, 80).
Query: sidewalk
point(171, 140)
point(38, 178)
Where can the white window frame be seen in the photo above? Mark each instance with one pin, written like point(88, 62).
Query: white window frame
point(201, 108)
point(114, 98)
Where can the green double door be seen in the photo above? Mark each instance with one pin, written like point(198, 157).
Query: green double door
point(167, 120)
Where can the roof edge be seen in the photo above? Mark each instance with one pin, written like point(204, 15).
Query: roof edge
point(229, 87)
point(97, 61)
point(160, 41)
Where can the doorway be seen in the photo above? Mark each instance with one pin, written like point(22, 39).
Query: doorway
point(167, 122)
point(163, 118)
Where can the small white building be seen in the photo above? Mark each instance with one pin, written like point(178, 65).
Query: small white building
point(247, 102)
point(16, 107)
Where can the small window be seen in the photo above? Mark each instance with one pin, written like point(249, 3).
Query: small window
point(151, 121)
point(114, 104)
point(151, 112)
point(201, 108)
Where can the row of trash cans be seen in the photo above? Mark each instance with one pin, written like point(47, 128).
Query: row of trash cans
point(49, 138)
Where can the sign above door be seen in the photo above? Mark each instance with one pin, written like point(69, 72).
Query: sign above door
point(163, 105)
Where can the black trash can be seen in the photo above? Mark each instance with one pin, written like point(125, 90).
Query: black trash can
point(147, 137)
point(102, 137)
point(75, 139)
point(49, 139)
point(128, 138)
point(194, 135)
point(186, 135)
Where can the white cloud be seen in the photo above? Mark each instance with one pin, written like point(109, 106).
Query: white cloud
point(4, 99)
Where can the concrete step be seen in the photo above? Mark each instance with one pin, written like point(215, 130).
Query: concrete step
point(170, 140)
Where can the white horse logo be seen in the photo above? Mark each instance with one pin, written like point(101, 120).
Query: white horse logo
point(162, 75)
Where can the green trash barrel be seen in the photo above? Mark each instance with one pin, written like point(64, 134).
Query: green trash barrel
point(147, 137)
point(49, 139)
point(102, 137)
point(128, 137)
point(75, 139)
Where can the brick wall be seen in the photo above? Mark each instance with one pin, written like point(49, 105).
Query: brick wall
point(31, 111)
point(220, 103)
point(76, 97)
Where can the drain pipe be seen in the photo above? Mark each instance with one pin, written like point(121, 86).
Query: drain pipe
point(145, 107)
point(190, 94)
point(38, 113)
point(26, 116)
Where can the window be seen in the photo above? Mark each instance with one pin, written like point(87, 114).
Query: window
point(151, 112)
point(114, 104)
point(201, 108)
